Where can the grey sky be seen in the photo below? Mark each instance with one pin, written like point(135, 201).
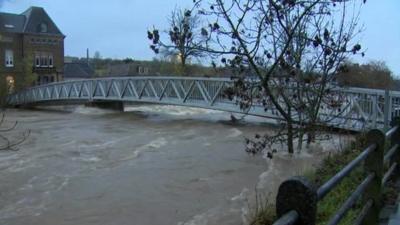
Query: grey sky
point(117, 28)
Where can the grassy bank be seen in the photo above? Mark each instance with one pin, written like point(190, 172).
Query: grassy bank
point(265, 214)
point(329, 167)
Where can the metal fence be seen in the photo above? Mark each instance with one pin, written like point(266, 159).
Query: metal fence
point(297, 199)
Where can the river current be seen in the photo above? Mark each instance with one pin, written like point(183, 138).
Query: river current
point(151, 165)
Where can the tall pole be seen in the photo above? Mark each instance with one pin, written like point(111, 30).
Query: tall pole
point(87, 56)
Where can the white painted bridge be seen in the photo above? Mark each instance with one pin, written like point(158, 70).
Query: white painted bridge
point(360, 108)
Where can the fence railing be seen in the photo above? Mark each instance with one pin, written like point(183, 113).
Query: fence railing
point(297, 199)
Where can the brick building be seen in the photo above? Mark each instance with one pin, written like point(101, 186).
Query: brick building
point(30, 43)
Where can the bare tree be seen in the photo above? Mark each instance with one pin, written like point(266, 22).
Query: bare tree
point(9, 140)
point(294, 48)
point(184, 37)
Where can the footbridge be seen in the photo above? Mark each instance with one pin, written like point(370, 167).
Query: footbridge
point(360, 108)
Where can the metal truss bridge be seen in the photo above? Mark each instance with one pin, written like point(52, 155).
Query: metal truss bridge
point(360, 108)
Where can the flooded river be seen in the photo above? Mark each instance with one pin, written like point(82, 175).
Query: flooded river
point(153, 165)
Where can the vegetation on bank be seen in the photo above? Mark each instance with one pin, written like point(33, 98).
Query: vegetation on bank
point(331, 165)
point(264, 214)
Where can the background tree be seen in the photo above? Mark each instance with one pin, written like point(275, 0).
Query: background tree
point(28, 77)
point(184, 37)
point(10, 139)
point(294, 48)
point(97, 55)
point(374, 74)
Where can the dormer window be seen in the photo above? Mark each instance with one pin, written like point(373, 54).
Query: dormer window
point(9, 26)
point(43, 28)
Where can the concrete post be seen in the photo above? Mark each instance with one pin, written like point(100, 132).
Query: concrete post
point(300, 195)
point(374, 164)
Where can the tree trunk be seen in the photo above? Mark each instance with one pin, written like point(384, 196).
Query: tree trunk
point(300, 144)
point(310, 137)
point(183, 61)
point(290, 136)
point(183, 65)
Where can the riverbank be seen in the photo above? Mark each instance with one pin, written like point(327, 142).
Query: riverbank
point(330, 166)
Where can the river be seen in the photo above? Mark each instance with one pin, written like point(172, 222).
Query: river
point(151, 165)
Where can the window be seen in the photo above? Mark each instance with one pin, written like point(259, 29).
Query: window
point(140, 70)
point(50, 60)
point(43, 28)
point(37, 60)
point(9, 59)
point(44, 59)
point(42, 63)
point(45, 80)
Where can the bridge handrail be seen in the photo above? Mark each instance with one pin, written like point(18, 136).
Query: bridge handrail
point(134, 78)
point(354, 90)
point(360, 108)
point(297, 199)
point(204, 78)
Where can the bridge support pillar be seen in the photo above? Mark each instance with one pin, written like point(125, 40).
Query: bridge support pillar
point(111, 105)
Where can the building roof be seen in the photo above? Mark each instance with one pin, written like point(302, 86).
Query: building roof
point(29, 21)
point(77, 70)
point(119, 70)
point(127, 69)
point(12, 23)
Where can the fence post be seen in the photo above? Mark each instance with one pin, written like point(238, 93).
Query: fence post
point(386, 110)
point(395, 139)
point(374, 110)
point(298, 194)
point(374, 164)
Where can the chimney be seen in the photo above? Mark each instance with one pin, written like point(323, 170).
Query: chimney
point(87, 56)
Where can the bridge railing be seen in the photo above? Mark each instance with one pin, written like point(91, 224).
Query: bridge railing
point(297, 199)
point(359, 109)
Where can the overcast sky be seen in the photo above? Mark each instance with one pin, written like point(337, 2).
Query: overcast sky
point(117, 28)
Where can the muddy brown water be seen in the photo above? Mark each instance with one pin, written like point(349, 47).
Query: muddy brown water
point(153, 165)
